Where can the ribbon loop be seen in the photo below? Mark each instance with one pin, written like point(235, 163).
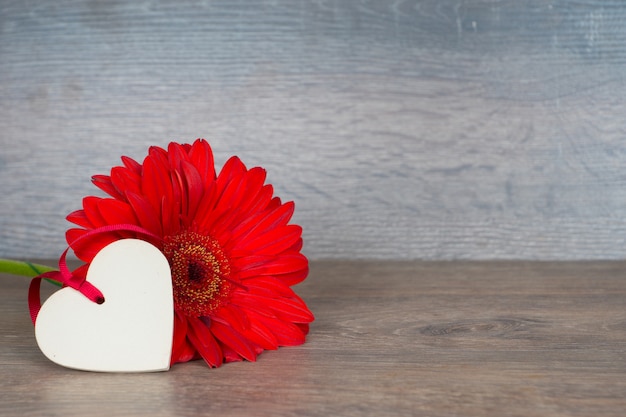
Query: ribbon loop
point(67, 279)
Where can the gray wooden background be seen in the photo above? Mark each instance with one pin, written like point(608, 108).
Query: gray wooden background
point(476, 129)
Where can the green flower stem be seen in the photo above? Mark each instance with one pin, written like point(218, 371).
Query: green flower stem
point(25, 269)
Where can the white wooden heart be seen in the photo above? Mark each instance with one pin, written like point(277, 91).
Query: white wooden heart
point(132, 331)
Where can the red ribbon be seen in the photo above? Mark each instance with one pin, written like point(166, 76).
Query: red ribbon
point(65, 276)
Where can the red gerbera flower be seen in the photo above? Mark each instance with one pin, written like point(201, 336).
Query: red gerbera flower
point(232, 253)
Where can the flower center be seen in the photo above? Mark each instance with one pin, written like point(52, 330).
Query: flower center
point(200, 273)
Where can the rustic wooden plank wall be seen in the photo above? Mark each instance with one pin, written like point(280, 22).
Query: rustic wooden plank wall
point(437, 129)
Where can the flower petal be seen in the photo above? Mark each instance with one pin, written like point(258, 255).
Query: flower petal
point(273, 219)
point(176, 154)
point(268, 286)
point(201, 337)
point(79, 218)
point(201, 157)
point(273, 242)
point(280, 266)
point(193, 187)
point(104, 183)
point(116, 211)
point(182, 351)
point(261, 335)
point(287, 334)
point(156, 184)
point(125, 180)
point(132, 165)
point(147, 216)
point(230, 337)
point(90, 205)
point(87, 248)
point(293, 310)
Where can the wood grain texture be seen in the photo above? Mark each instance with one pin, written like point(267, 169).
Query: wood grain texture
point(431, 129)
point(390, 339)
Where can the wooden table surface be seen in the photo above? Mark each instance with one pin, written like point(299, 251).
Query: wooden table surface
point(390, 339)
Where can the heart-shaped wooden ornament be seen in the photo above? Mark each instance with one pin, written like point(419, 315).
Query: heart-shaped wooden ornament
point(131, 331)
